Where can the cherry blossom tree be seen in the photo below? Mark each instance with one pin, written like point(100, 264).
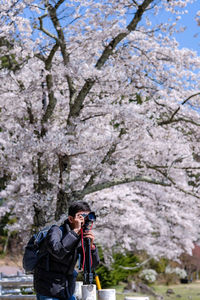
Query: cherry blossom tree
point(101, 105)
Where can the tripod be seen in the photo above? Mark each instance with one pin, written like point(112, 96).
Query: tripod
point(87, 262)
point(88, 275)
point(86, 246)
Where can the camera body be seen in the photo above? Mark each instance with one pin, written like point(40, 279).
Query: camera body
point(89, 219)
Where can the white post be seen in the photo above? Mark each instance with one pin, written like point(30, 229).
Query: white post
point(107, 294)
point(78, 290)
point(89, 292)
point(1, 277)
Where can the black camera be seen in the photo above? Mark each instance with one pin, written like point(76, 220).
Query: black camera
point(89, 219)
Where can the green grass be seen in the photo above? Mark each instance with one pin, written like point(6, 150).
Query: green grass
point(189, 291)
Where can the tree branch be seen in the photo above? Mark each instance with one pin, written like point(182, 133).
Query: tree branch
point(76, 107)
point(49, 80)
point(138, 265)
point(30, 113)
point(178, 120)
point(78, 103)
point(94, 116)
point(61, 38)
point(44, 30)
point(105, 159)
point(108, 184)
point(59, 3)
point(61, 41)
point(165, 174)
point(131, 27)
point(171, 119)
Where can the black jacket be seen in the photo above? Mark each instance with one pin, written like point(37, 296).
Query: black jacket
point(54, 275)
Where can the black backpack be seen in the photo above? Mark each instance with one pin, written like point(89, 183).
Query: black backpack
point(32, 253)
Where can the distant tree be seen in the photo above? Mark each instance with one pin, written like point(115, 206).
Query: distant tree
point(191, 263)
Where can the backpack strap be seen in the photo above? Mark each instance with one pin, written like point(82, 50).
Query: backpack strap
point(48, 255)
point(62, 228)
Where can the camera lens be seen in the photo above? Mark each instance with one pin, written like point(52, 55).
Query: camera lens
point(92, 216)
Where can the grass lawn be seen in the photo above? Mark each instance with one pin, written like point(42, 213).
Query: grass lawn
point(190, 291)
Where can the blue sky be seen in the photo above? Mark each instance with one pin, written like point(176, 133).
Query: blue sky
point(187, 38)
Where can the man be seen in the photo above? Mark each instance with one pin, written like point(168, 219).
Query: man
point(54, 276)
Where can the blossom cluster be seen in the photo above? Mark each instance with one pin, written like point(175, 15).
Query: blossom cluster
point(149, 275)
point(181, 273)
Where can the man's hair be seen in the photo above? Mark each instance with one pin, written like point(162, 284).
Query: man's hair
point(78, 206)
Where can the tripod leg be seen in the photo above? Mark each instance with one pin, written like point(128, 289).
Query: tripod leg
point(88, 275)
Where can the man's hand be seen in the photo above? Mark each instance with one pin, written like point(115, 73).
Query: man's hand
point(78, 222)
point(89, 234)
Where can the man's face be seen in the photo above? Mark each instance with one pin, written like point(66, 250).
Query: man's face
point(79, 217)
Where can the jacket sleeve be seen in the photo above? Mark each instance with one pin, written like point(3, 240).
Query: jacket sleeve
point(60, 246)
